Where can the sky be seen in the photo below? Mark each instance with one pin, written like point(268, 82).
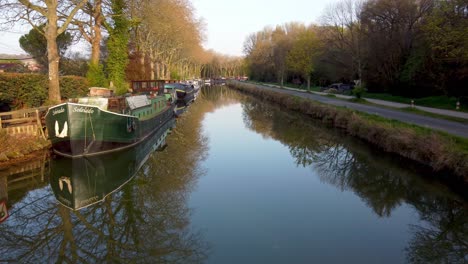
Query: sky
point(227, 23)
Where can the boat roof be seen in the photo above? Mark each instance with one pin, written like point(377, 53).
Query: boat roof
point(137, 101)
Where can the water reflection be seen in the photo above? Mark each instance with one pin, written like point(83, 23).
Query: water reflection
point(145, 221)
point(81, 182)
point(380, 180)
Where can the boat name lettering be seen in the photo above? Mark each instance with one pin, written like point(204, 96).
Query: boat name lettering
point(86, 110)
point(88, 201)
point(58, 111)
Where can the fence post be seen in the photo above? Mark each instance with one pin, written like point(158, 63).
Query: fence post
point(39, 124)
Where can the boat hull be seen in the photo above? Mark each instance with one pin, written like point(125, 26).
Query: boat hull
point(185, 96)
point(80, 182)
point(77, 130)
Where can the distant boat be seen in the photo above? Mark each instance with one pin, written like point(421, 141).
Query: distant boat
point(104, 123)
point(81, 182)
point(185, 92)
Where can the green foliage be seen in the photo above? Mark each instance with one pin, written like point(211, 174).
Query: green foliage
point(73, 86)
point(75, 64)
point(31, 90)
point(302, 56)
point(95, 76)
point(117, 47)
point(358, 91)
point(35, 44)
point(175, 75)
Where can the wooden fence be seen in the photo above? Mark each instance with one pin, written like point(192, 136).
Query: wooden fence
point(27, 121)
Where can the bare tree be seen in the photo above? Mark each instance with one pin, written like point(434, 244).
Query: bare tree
point(56, 15)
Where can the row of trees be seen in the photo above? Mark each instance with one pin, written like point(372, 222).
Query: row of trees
point(137, 39)
point(406, 47)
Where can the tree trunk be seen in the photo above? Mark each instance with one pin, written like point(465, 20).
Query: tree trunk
point(96, 41)
point(142, 65)
point(308, 82)
point(151, 68)
point(158, 73)
point(52, 53)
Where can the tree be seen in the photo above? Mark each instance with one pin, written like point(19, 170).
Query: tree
point(302, 57)
point(343, 36)
point(89, 22)
point(117, 46)
point(35, 44)
point(392, 30)
point(56, 17)
point(446, 30)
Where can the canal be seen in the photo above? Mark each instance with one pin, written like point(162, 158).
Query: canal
point(239, 181)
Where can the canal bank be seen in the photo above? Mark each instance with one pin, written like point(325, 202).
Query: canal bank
point(440, 151)
point(21, 147)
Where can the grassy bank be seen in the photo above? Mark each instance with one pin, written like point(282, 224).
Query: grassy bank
point(19, 148)
point(442, 102)
point(442, 152)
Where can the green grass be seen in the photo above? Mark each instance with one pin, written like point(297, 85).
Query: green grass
point(442, 102)
point(410, 110)
point(291, 85)
point(424, 113)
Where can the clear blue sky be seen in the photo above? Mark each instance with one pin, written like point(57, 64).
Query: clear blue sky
point(228, 23)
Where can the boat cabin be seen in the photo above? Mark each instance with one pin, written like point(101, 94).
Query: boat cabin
point(150, 87)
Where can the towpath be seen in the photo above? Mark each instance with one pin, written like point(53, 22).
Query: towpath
point(454, 128)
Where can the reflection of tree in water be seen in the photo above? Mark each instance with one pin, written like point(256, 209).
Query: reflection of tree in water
point(443, 238)
point(147, 221)
point(381, 182)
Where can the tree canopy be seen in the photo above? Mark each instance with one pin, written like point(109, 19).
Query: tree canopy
point(35, 44)
point(403, 47)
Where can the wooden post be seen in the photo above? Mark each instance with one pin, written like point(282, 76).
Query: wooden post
point(39, 124)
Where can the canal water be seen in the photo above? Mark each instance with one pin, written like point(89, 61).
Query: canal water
point(239, 181)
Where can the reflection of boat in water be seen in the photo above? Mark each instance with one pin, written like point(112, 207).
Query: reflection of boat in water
point(180, 108)
point(81, 182)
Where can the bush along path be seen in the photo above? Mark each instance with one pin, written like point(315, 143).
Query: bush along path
point(440, 151)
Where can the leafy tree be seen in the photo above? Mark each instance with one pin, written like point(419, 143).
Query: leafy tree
point(117, 46)
point(302, 57)
point(35, 44)
point(446, 31)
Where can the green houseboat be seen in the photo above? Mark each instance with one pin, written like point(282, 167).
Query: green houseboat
point(105, 123)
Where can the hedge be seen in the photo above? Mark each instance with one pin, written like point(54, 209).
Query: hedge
point(22, 90)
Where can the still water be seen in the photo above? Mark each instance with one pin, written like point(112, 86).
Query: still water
point(240, 181)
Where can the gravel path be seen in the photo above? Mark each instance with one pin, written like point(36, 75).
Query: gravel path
point(450, 127)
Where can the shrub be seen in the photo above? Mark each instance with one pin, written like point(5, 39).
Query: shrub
point(358, 91)
point(31, 90)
